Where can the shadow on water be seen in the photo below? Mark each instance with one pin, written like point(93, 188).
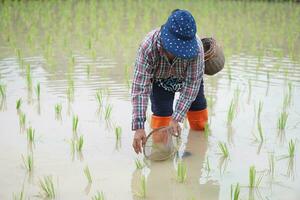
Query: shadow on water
point(161, 181)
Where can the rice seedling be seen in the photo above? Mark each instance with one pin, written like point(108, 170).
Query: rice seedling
point(231, 112)
point(58, 108)
point(139, 164)
point(38, 91)
point(87, 174)
point(118, 132)
point(271, 160)
point(22, 120)
point(254, 181)
point(260, 131)
point(260, 107)
point(143, 187)
point(181, 172)
point(88, 70)
point(99, 97)
point(235, 192)
point(47, 189)
point(292, 147)
point(108, 110)
point(207, 165)
point(75, 123)
point(28, 162)
point(30, 135)
point(98, 196)
point(18, 104)
point(20, 196)
point(224, 150)
point(2, 91)
point(79, 144)
point(281, 123)
point(28, 76)
point(207, 131)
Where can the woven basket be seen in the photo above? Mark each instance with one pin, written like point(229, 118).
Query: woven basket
point(213, 56)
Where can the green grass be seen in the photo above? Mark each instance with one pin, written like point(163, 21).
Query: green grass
point(223, 149)
point(139, 164)
point(271, 160)
point(207, 165)
point(260, 107)
point(260, 131)
point(87, 174)
point(22, 120)
point(108, 110)
point(75, 123)
point(235, 192)
point(18, 104)
point(181, 174)
point(20, 196)
point(79, 144)
point(281, 123)
point(118, 132)
point(292, 147)
point(28, 76)
point(231, 112)
point(28, 162)
point(98, 196)
point(38, 91)
point(2, 91)
point(58, 108)
point(207, 131)
point(143, 187)
point(99, 97)
point(254, 181)
point(47, 189)
point(30, 135)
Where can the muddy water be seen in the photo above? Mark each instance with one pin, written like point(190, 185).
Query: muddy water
point(249, 78)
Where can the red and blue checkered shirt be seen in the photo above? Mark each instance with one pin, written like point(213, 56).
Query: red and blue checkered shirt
point(151, 64)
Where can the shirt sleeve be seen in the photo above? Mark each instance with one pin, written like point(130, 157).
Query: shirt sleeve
point(141, 88)
point(191, 86)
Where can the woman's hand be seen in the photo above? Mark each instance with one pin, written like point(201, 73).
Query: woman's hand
point(139, 140)
point(175, 126)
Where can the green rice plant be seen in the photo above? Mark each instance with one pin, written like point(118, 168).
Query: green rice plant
point(108, 110)
point(38, 91)
point(281, 123)
point(47, 189)
point(98, 196)
point(19, 196)
point(118, 132)
point(254, 181)
point(260, 131)
point(139, 164)
point(88, 70)
point(99, 97)
point(181, 172)
point(75, 123)
point(18, 104)
point(207, 165)
point(79, 144)
point(143, 187)
point(235, 192)
point(3, 91)
point(292, 147)
point(260, 107)
point(87, 174)
point(28, 162)
point(231, 112)
point(58, 108)
point(207, 131)
point(30, 134)
point(22, 120)
point(224, 150)
point(271, 160)
point(28, 76)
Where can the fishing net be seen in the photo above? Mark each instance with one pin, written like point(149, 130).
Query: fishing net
point(161, 144)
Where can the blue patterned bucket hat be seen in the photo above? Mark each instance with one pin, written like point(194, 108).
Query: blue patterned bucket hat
point(178, 35)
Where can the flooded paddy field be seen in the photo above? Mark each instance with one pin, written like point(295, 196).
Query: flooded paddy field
point(65, 112)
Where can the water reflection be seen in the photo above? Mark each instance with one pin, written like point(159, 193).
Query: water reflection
point(161, 180)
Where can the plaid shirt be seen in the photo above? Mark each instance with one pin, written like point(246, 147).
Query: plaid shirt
point(151, 64)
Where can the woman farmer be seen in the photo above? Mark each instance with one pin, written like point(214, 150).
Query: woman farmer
point(170, 59)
